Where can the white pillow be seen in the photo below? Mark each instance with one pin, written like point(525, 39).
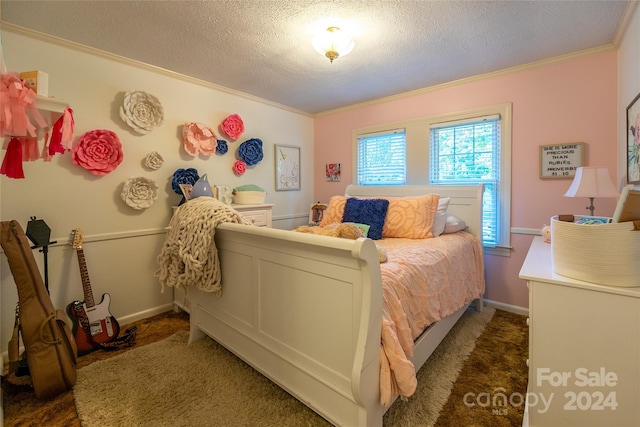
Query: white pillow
point(453, 223)
point(439, 220)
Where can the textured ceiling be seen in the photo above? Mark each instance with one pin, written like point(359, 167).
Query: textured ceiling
point(263, 47)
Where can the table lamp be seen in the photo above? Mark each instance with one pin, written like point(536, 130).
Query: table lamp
point(592, 182)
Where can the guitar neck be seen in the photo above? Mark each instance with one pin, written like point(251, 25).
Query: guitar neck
point(84, 275)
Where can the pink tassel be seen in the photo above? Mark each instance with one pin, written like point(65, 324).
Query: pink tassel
point(12, 163)
point(30, 152)
point(62, 133)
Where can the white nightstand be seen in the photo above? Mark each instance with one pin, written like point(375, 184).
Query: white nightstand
point(584, 348)
point(259, 215)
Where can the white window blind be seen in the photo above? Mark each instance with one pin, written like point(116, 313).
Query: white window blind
point(468, 151)
point(382, 158)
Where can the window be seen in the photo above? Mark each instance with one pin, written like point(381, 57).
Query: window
point(466, 147)
point(468, 151)
point(382, 158)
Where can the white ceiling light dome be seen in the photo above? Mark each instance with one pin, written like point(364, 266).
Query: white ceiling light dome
point(333, 43)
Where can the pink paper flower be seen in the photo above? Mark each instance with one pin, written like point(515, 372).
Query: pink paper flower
point(98, 151)
point(239, 167)
point(199, 138)
point(233, 126)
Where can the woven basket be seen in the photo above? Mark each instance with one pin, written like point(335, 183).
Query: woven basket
point(606, 254)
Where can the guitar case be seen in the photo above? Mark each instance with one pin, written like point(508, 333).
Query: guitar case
point(49, 344)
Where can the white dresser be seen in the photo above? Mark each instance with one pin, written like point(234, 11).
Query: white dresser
point(584, 349)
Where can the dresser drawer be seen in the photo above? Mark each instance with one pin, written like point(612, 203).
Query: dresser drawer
point(257, 217)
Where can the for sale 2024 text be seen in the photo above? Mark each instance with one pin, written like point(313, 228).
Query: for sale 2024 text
point(585, 398)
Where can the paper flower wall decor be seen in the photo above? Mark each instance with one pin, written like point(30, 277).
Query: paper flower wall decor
point(250, 151)
point(232, 126)
point(139, 192)
point(98, 151)
point(222, 147)
point(183, 176)
point(199, 138)
point(141, 111)
point(239, 167)
point(153, 161)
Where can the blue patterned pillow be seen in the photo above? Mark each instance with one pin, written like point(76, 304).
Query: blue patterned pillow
point(367, 211)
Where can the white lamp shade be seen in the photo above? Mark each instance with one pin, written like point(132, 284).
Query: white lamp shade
point(592, 182)
point(333, 39)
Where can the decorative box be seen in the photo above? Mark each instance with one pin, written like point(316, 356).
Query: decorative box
point(249, 197)
point(606, 254)
point(37, 81)
point(249, 194)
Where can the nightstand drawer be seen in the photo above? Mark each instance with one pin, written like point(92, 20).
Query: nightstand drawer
point(258, 218)
point(259, 215)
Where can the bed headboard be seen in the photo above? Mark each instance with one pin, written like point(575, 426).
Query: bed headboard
point(466, 200)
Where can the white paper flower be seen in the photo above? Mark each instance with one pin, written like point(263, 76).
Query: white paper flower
point(141, 111)
point(139, 192)
point(153, 160)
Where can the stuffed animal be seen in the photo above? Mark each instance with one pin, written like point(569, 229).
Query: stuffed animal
point(546, 233)
point(345, 230)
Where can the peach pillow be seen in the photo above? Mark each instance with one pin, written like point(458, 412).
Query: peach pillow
point(334, 211)
point(407, 217)
point(410, 217)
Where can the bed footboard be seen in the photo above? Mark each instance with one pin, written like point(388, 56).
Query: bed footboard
point(305, 311)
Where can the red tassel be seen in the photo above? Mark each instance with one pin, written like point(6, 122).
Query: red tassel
point(62, 133)
point(12, 163)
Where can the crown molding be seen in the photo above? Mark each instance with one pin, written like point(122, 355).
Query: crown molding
point(48, 38)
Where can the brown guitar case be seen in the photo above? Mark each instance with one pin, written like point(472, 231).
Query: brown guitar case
point(49, 344)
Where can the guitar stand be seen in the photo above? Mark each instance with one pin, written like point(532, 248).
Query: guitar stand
point(39, 233)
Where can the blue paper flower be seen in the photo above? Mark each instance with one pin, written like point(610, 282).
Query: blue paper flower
point(184, 176)
point(250, 151)
point(222, 147)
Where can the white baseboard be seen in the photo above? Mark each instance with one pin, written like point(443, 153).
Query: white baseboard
point(507, 307)
point(144, 314)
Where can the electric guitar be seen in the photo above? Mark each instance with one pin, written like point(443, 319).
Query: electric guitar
point(103, 327)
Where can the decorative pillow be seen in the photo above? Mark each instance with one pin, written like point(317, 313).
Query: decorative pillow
point(411, 217)
point(453, 224)
point(440, 219)
point(334, 211)
point(367, 211)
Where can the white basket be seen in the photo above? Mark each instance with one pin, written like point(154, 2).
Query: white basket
point(606, 254)
point(249, 197)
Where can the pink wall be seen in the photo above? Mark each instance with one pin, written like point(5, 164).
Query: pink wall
point(569, 101)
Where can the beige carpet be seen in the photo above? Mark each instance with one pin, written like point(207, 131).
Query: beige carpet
point(171, 384)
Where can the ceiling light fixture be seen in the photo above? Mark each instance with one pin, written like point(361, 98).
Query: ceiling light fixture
point(333, 43)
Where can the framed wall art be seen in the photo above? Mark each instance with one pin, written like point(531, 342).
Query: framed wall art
point(633, 141)
point(332, 172)
point(561, 160)
point(287, 167)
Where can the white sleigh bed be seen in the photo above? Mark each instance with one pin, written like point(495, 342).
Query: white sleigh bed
point(306, 310)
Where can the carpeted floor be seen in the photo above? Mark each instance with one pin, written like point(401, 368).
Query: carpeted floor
point(497, 364)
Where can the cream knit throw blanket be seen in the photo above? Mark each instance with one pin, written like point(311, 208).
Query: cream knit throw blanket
point(189, 255)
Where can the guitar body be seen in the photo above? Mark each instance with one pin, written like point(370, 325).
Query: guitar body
point(104, 327)
point(101, 327)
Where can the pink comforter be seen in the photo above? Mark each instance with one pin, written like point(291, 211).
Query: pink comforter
point(423, 281)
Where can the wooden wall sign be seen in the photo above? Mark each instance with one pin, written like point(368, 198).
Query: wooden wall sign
point(561, 160)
